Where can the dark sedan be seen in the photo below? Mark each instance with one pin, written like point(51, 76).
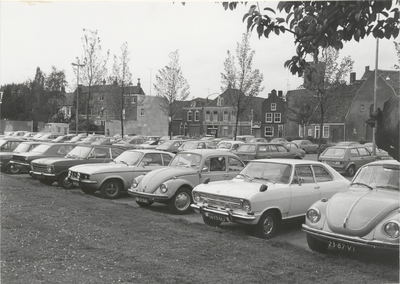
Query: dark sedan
point(49, 170)
point(23, 147)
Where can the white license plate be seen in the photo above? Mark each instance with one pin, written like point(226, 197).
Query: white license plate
point(341, 246)
point(216, 217)
point(141, 199)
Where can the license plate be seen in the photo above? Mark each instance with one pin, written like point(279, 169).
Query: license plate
point(141, 199)
point(75, 183)
point(341, 246)
point(216, 217)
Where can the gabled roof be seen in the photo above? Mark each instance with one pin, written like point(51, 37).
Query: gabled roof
point(392, 77)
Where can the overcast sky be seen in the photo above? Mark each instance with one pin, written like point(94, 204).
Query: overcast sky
point(50, 34)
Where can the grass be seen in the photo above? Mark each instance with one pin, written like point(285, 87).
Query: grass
point(51, 235)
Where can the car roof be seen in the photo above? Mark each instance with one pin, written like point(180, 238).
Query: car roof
point(148, 151)
point(12, 139)
point(289, 161)
point(208, 152)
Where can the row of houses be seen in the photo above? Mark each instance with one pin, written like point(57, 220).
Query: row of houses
point(269, 117)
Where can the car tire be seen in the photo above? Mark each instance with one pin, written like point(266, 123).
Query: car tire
point(111, 189)
point(267, 226)
point(63, 181)
point(46, 181)
point(142, 204)
point(316, 245)
point(180, 202)
point(211, 222)
point(351, 171)
point(12, 169)
point(87, 190)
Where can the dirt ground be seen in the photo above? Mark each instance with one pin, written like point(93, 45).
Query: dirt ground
point(51, 235)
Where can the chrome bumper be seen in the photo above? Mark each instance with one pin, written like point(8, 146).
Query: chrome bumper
point(229, 214)
point(149, 196)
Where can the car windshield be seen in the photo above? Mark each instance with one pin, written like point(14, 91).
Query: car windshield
point(334, 152)
point(2, 142)
point(186, 160)
point(22, 147)
point(272, 172)
point(40, 149)
point(168, 143)
point(378, 176)
point(129, 158)
point(79, 152)
point(187, 146)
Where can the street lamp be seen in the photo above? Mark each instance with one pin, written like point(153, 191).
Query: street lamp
point(77, 92)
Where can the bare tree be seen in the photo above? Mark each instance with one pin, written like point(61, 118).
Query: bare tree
point(123, 77)
point(242, 83)
point(171, 86)
point(94, 70)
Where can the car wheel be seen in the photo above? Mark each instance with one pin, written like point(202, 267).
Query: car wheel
point(87, 190)
point(111, 189)
point(180, 202)
point(316, 245)
point(46, 181)
point(63, 181)
point(267, 226)
point(142, 204)
point(13, 169)
point(351, 171)
point(211, 222)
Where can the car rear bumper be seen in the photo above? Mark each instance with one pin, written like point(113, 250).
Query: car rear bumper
point(361, 244)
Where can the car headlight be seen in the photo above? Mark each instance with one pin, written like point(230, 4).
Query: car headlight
point(313, 215)
point(246, 206)
point(392, 229)
point(196, 196)
point(135, 183)
point(69, 173)
point(50, 169)
point(163, 188)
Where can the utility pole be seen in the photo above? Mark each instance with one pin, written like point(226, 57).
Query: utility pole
point(77, 65)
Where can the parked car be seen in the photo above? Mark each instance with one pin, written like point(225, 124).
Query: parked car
point(20, 133)
point(114, 178)
point(244, 138)
point(8, 144)
point(173, 185)
point(130, 142)
point(196, 144)
point(63, 138)
point(266, 193)
point(48, 137)
point(348, 143)
point(255, 140)
point(89, 139)
point(23, 147)
point(251, 151)
point(51, 169)
point(170, 145)
point(346, 159)
point(380, 154)
point(149, 144)
point(229, 145)
point(106, 141)
point(307, 145)
point(294, 148)
point(363, 218)
point(29, 135)
point(279, 140)
point(20, 163)
point(77, 138)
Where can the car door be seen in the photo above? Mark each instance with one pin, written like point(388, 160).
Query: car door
point(355, 157)
point(304, 190)
point(285, 153)
point(365, 155)
point(328, 186)
point(215, 169)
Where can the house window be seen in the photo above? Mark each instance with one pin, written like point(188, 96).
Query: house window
point(215, 115)
point(220, 101)
point(273, 107)
point(233, 116)
point(309, 133)
point(208, 116)
point(134, 100)
point(142, 112)
point(325, 133)
point(277, 117)
point(101, 97)
point(197, 115)
point(103, 123)
point(226, 115)
point(269, 131)
point(268, 117)
point(316, 131)
point(193, 104)
point(189, 115)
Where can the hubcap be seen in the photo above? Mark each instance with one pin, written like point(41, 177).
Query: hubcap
point(268, 225)
point(182, 201)
point(112, 189)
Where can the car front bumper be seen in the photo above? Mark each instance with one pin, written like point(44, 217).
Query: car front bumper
point(228, 214)
point(41, 175)
point(24, 167)
point(359, 243)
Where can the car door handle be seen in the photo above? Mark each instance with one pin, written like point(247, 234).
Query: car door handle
point(317, 187)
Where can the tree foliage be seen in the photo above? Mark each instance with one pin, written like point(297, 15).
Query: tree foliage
point(171, 86)
point(320, 24)
point(241, 77)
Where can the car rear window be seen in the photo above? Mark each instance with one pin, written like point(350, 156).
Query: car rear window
point(334, 152)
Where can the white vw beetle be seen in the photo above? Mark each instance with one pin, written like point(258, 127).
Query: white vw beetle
point(267, 192)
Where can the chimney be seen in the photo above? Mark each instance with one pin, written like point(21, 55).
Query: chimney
point(366, 69)
point(352, 77)
point(273, 92)
point(280, 94)
point(138, 83)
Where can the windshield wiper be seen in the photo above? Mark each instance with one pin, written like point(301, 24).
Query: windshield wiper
point(246, 176)
point(264, 178)
point(124, 163)
point(363, 184)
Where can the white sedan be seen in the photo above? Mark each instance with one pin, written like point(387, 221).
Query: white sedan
point(267, 192)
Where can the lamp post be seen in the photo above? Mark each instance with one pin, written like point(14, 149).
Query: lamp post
point(77, 93)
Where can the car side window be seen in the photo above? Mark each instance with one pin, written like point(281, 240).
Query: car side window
point(354, 153)
point(304, 174)
point(153, 159)
point(166, 159)
point(99, 154)
point(321, 174)
point(216, 164)
point(262, 148)
point(116, 152)
point(64, 150)
point(273, 148)
point(234, 164)
point(281, 149)
point(364, 152)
